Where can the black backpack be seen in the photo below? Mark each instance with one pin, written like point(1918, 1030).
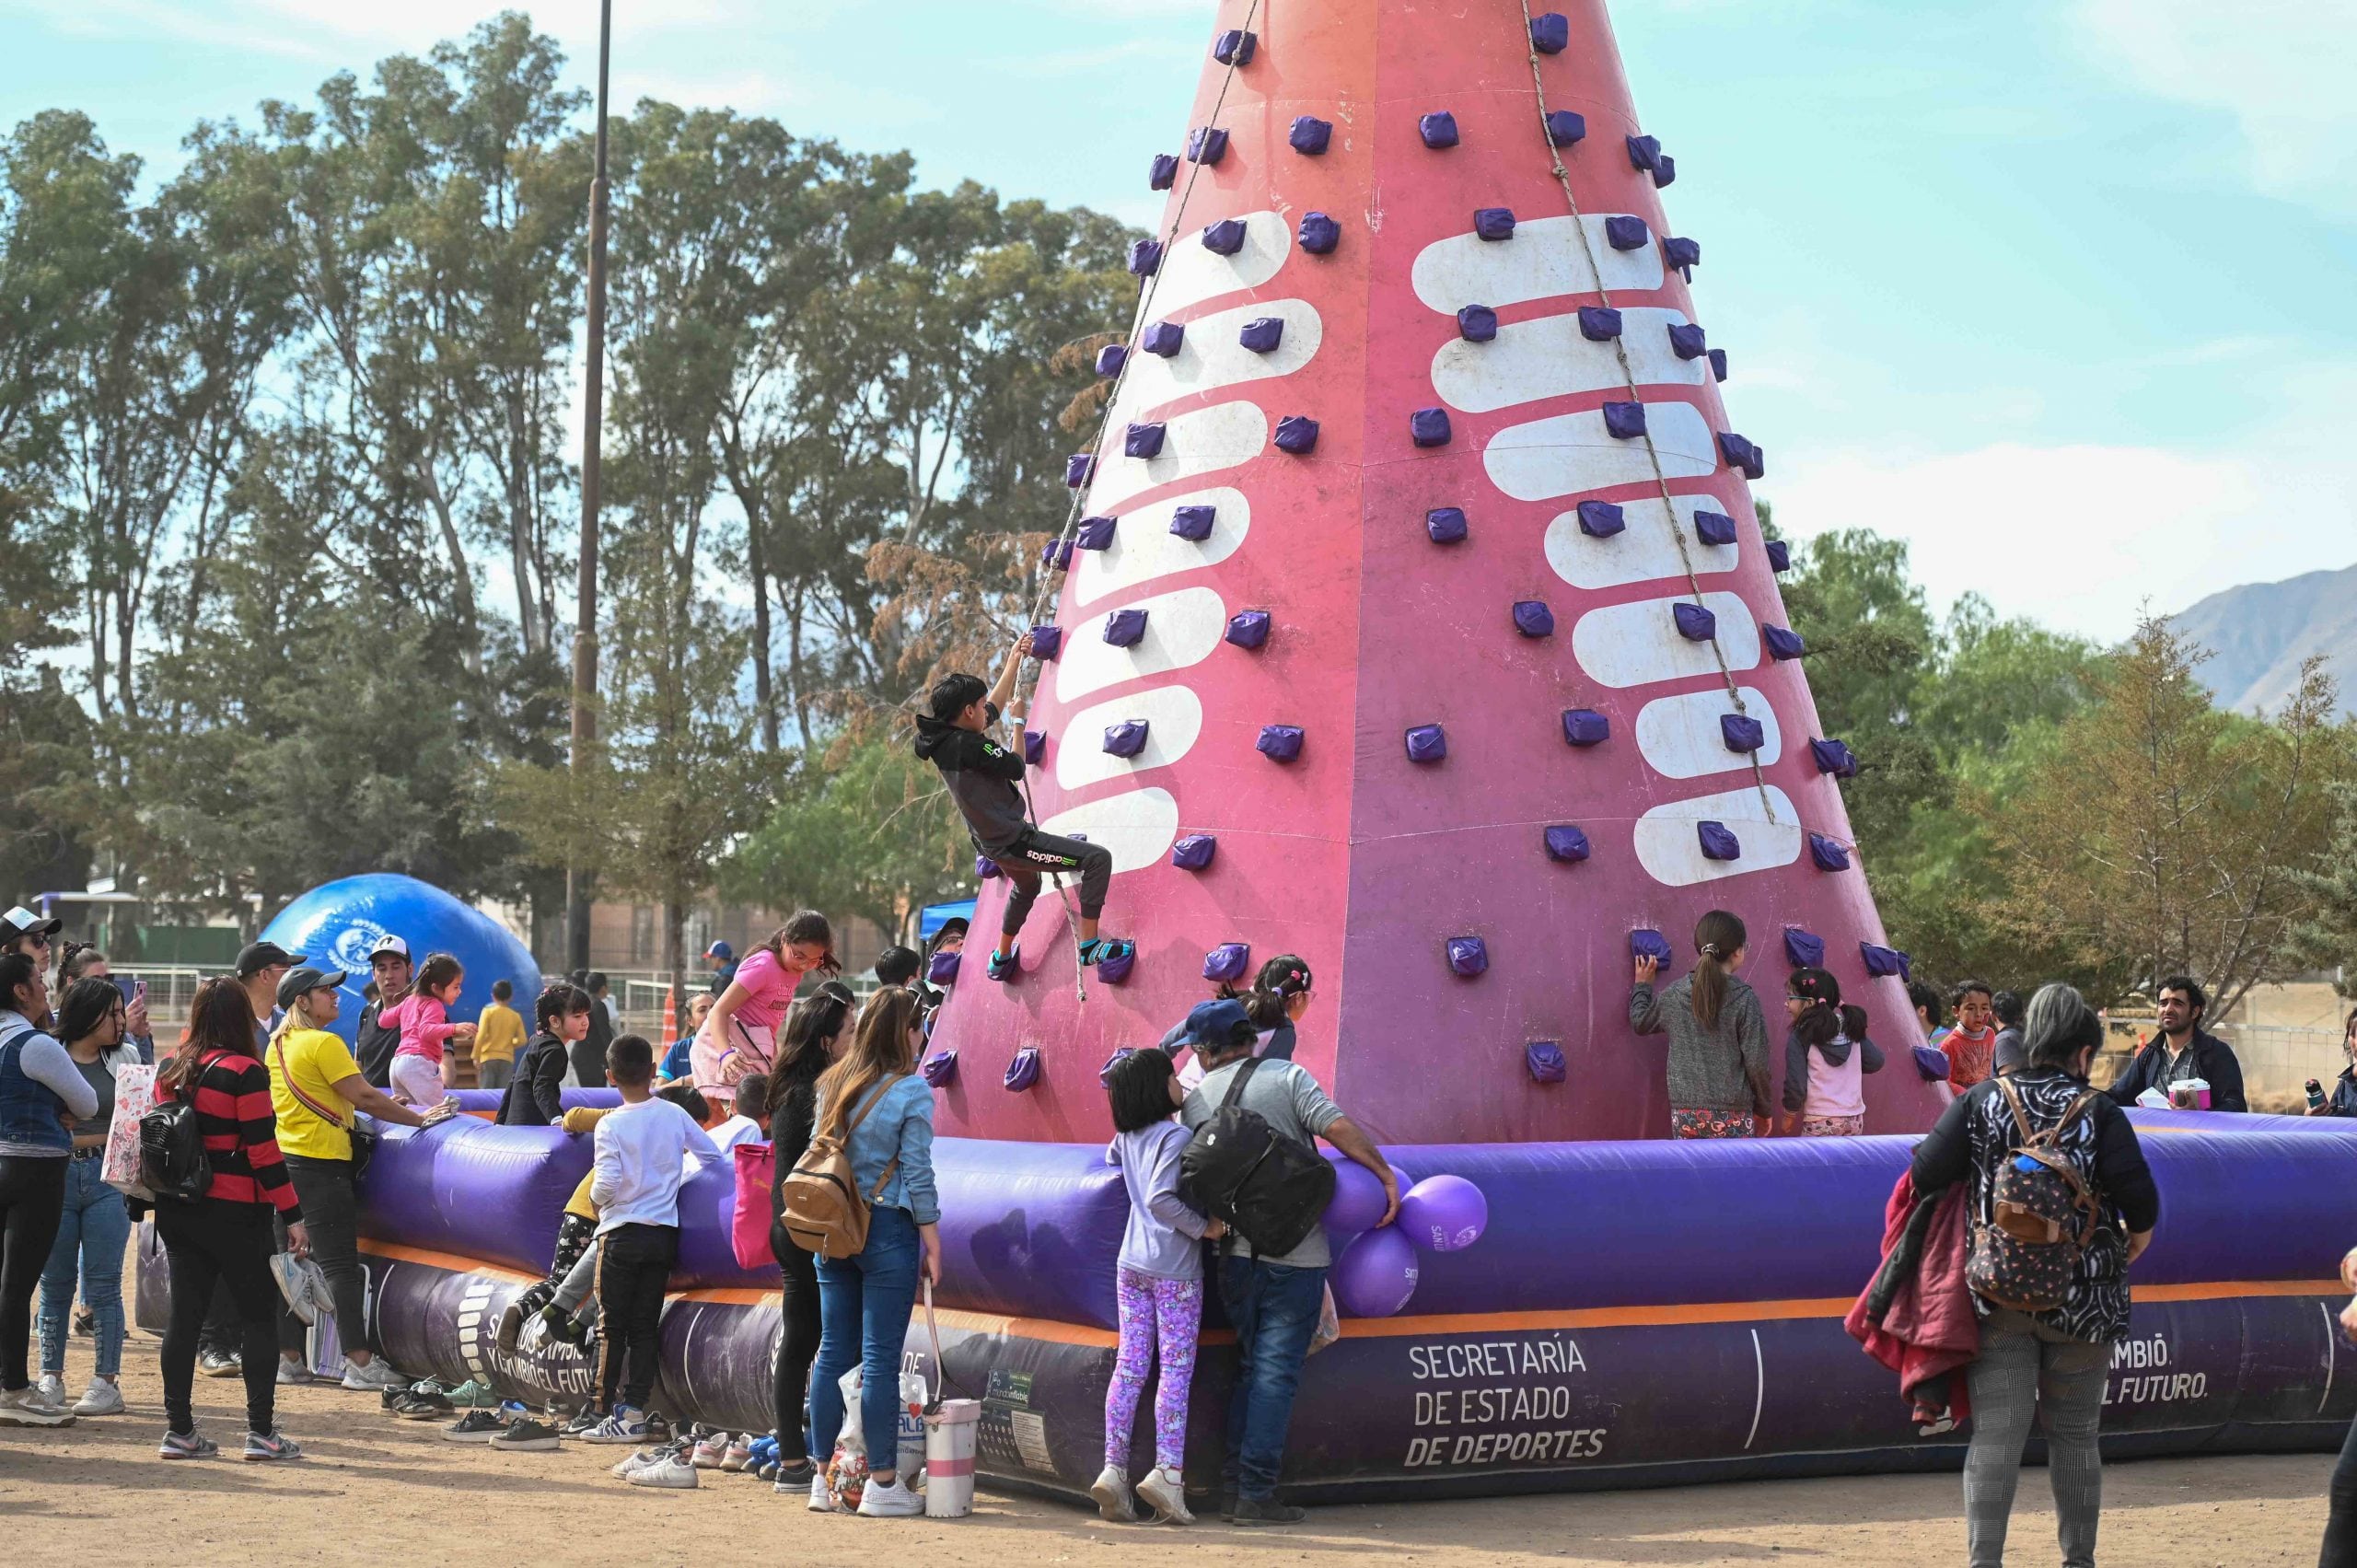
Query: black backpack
point(171, 1151)
point(1270, 1189)
point(2042, 1214)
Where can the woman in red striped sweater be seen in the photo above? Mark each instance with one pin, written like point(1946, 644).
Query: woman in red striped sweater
point(225, 1237)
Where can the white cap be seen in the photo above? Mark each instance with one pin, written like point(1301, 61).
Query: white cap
point(389, 943)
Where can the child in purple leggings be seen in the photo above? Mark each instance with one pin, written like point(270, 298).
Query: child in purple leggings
point(1161, 1285)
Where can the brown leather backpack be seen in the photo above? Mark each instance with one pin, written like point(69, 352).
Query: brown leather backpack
point(819, 1202)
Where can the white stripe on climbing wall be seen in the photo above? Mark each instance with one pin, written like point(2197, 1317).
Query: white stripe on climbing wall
point(1173, 716)
point(1143, 547)
point(1670, 849)
point(1203, 441)
point(1644, 549)
point(1571, 452)
point(1550, 358)
point(1543, 260)
point(1182, 629)
point(1138, 825)
point(1681, 737)
point(1209, 358)
point(1636, 645)
point(1192, 272)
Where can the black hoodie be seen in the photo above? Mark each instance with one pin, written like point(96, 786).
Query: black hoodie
point(983, 777)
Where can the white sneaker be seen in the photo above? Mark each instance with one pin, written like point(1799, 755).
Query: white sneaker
point(24, 1407)
point(1112, 1494)
point(49, 1389)
point(375, 1378)
point(101, 1398)
point(673, 1470)
point(822, 1498)
point(1166, 1494)
point(893, 1501)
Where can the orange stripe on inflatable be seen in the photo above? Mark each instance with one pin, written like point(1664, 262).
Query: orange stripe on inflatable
point(450, 1261)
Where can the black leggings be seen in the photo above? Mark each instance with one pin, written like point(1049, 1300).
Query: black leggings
point(2340, 1531)
point(1036, 853)
point(33, 1200)
point(332, 1214)
point(799, 1347)
point(212, 1242)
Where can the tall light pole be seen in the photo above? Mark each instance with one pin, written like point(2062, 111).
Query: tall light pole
point(578, 877)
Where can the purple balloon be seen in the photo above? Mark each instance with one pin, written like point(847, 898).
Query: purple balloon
point(1443, 1213)
point(1375, 1274)
point(1359, 1199)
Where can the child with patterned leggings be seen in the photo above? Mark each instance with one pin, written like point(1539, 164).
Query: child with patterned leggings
point(1161, 1287)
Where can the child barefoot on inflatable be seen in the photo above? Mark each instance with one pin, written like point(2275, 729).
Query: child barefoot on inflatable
point(983, 776)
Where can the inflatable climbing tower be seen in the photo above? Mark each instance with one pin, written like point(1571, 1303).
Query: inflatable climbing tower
point(1414, 616)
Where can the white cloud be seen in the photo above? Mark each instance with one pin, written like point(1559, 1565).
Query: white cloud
point(2280, 67)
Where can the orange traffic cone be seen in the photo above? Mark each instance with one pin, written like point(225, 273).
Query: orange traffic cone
point(670, 1016)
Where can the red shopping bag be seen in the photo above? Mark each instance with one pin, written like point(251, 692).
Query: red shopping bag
point(748, 1229)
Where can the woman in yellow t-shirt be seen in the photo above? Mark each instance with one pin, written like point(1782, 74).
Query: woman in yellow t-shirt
point(315, 1087)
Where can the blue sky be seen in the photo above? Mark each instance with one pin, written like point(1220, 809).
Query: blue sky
point(2060, 292)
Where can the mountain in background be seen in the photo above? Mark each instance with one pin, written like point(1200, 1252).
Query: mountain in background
point(2259, 633)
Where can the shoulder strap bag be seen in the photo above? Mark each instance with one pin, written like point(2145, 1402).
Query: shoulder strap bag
point(364, 1139)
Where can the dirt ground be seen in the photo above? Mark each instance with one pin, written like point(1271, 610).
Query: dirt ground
point(374, 1489)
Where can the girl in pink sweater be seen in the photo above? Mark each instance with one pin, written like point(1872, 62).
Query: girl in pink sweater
point(420, 1072)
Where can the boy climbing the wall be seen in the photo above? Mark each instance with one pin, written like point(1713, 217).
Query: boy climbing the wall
point(984, 778)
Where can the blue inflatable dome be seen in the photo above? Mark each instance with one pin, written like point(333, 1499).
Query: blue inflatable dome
point(334, 926)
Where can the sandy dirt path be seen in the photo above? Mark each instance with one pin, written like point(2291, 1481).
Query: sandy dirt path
point(376, 1490)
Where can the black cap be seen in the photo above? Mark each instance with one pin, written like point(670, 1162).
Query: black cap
point(307, 978)
point(256, 957)
point(22, 921)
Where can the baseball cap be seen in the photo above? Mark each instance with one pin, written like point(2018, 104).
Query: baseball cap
point(720, 950)
point(1213, 1022)
point(389, 943)
point(22, 921)
point(308, 977)
point(256, 957)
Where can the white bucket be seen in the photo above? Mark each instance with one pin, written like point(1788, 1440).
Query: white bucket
point(949, 1458)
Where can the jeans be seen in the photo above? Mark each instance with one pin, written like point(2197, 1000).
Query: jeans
point(2340, 1529)
point(633, 1270)
point(91, 1235)
point(495, 1074)
point(332, 1214)
point(2024, 1374)
point(32, 1197)
point(213, 1243)
point(863, 1305)
point(1275, 1310)
point(797, 1347)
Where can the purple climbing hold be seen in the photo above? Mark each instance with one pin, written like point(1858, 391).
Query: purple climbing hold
point(1545, 1060)
point(1228, 961)
point(1780, 555)
point(1164, 173)
point(1834, 758)
point(940, 1068)
point(1095, 533)
point(1126, 738)
point(1206, 144)
point(1782, 643)
point(1248, 628)
point(1550, 33)
point(1718, 843)
point(1429, 427)
point(1566, 843)
point(942, 968)
point(1057, 556)
point(1665, 170)
point(1883, 962)
point(1493, 223)
point(1741, 732)
point(1297, 433)
point(1623, 232)
point(1235, 47)
point(1225, 238)
point(1646, 943)
point(1446, 525)
point(1046, 643)
point(1477, 323)
point(1110, 358)
point(1163, 338)
point(1125, 628)
point(1469, 956)
point(1077, 468)
point(1599, 324)
point(1114, 968)
point(985, 867)
point(1310, 136)
point(1586, 726)
point(1624, 421)
point(1192, 522)
point(1643, 151)
point(1194, 852)
point(1024, 1071)
point(1565, 127)
point(1681, 253)
point(1713, 528)
point(1262, 333)
point(1685, 340)
point(1602, 520)
point(1427, 743)
point(1829, 855)
point(1742, 454)
point(1035, 748)
point(1143, 441)
point(1695, 623)
point(1318, 234)
point(1105, 1073)
point(1533, 619)
point(1804, 949)
point(1279, 742)
point(1438, 129)
point(1718, 358)
point(1146, 256)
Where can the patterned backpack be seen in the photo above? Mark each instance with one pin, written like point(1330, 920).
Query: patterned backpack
point(2042, 1214)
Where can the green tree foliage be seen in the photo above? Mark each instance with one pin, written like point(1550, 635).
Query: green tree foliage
point(868, 829)
point(2328, 939)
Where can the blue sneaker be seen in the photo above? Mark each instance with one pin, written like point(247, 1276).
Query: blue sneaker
point(1003, 968)
point(1098, 949)
point(625, 1426)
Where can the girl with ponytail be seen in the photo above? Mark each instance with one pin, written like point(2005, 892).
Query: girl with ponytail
point(1826, 1054)
point(1718, 1036)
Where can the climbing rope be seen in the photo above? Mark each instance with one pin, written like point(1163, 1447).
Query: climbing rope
point(1628, 375)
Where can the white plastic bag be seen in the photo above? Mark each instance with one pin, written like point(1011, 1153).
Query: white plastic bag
point(847, 1469)
point(134, 1097)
